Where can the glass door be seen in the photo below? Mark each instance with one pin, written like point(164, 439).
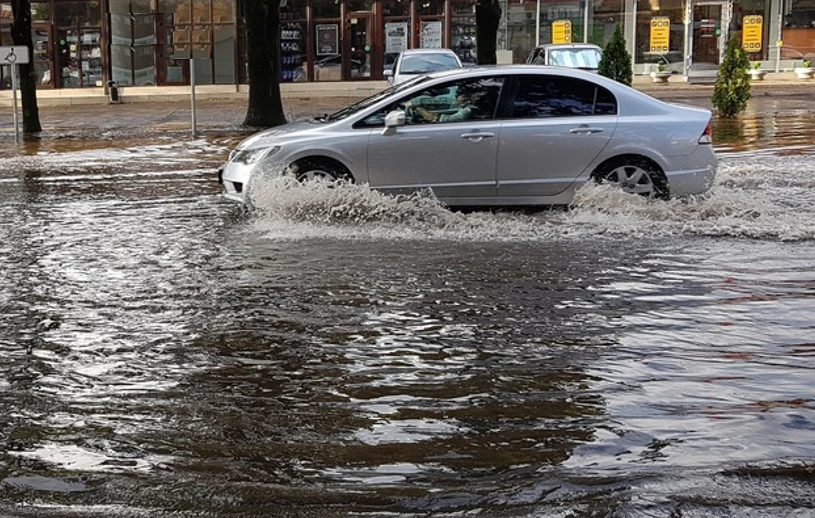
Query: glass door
point(43, 62)
point(708, 38)
point(359, 45)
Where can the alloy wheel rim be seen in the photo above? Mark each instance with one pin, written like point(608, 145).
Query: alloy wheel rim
point(631, 179)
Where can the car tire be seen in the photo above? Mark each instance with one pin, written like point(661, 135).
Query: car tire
point(310, 170)
point(634, 175)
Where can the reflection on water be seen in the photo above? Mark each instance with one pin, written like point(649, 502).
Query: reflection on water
point(340, 352)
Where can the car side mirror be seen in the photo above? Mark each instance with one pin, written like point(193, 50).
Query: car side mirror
point(388, 73)
point(393, 120)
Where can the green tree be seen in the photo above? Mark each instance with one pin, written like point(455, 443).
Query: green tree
point(262, 19)
point(616, 61)
point(732, 89)
point(487, 19)
point(21, 35)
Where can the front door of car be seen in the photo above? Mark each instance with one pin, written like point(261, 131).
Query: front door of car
point(449, 143)
point(557, 126)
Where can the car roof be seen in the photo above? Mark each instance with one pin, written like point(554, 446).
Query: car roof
point(428, 51)
point(569, 46)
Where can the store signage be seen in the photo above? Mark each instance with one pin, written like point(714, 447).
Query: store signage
point(15, 55)
point(561, 31)
point(660, 34)
point(752, 29)
point(328, 39)
point(395, 37)
point(430, 35)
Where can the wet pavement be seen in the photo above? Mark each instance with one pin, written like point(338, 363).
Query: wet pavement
point(342, 353)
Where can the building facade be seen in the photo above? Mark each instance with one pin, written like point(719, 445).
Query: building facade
point(85, 43)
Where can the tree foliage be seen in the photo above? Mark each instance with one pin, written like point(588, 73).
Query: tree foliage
point(616, 61)
point(487, 19)
point(732, 89)
point(21, 35)
point(265, 107)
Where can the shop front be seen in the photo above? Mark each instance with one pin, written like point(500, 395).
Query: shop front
point(79, 43)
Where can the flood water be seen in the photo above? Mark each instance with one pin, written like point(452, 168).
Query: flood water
point(341, 353)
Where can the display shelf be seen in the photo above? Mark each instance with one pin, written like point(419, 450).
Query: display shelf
point(292, 52)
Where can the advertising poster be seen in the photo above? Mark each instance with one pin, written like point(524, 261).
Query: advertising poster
point(752, 27)
point(328, 39)
point(431, 35)
point(562, 31)
point(660, 34)
point(395, 37)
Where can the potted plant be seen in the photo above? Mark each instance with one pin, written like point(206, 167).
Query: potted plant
point(805, 71)
point(661, 74)
point(756, 73)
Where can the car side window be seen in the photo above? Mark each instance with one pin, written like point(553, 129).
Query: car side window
point(464, 100)
point(556, 96)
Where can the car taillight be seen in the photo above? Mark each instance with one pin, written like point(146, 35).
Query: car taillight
point(707, 136)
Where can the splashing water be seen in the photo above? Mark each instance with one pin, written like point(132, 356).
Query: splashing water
point(759, 198)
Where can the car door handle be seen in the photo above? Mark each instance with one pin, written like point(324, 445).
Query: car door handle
point(585, 129)
point(477, 136)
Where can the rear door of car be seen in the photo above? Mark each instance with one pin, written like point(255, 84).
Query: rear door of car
point(554, 127)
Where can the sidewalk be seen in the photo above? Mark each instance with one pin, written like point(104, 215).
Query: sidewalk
point(227, 114)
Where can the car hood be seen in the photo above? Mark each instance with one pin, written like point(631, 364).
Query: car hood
point(274, 135)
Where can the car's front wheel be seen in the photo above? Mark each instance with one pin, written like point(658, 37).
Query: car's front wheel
point(319, 170)
point(634, 175)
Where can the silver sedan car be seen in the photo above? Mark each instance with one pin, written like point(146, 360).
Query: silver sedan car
point(493, 136)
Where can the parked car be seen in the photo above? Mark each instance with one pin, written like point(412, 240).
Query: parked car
point(413, 62)
point(585, 56)
point(492, 136)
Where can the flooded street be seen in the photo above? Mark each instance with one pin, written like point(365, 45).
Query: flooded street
point(341, 353)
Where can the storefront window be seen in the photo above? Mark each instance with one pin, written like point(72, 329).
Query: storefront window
point(223, 53)
point(751, 8)
point(520, 29)
point(40, 12)
point(396, 8)
point(201, 12)
point(603, 20)
point(671, 12)
point(328, 58)
point(462, 39)
point(223, 11)
point(294, 10)
point(325, 9)
point(430, 7)
point(359, 5)
point(799, 30)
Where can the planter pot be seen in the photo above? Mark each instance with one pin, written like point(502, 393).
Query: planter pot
point(805, 73)
point(757, 75)
point(660, 77)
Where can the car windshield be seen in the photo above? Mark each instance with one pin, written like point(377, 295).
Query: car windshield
point(575, 58)
point(425, 63)
point(370, 101)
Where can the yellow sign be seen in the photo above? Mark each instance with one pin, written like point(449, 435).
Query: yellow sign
point(562, 31)
point(752, 29)
point(660, 34)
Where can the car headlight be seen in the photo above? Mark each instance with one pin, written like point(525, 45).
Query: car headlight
point(251, 156)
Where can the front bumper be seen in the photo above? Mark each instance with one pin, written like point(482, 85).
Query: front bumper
point(235, 180)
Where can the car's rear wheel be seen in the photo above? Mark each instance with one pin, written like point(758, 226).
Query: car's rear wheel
point(634, 175)
point(319, 170)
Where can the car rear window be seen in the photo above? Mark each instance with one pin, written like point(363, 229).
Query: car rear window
point(575, 58)
point(555, 96)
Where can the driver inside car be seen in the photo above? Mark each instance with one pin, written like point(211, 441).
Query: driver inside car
point(465, 100)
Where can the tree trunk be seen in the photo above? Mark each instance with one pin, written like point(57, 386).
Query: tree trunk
point(263, 57)
point(21, 35)
point(487, 19)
